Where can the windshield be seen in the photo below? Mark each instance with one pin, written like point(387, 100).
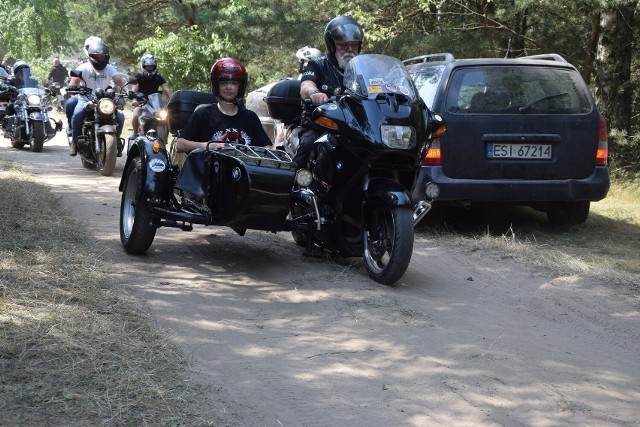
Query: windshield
point(368, 75)
point(32, 91)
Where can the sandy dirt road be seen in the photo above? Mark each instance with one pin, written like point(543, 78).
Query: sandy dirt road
point(465, 339)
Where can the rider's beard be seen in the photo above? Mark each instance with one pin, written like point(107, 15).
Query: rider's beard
point(344, 59)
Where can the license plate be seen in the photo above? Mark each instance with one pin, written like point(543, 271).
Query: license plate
point(518, 151)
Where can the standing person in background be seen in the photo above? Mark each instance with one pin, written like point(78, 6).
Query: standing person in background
point(58, 73)
point(149, 80)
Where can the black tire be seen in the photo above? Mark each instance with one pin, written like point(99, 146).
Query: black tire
point(569, 213)
point(109, 154)
point(136, 222)
point(36, 139)
point(87, 164)
point(16, 144)
point(388, 244)
point(300, 238)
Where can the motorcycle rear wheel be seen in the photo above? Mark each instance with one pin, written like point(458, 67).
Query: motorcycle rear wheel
point(136, 222)
point(388, 244)
point(108, 154)
point(17, 144)
point(36, 139)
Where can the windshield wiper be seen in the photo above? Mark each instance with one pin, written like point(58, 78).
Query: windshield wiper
point(544, 98)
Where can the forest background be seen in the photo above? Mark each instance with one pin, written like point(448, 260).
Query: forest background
point(599, 37)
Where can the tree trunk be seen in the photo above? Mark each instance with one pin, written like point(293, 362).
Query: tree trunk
point(613, 64)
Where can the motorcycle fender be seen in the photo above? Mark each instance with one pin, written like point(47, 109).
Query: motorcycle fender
point(37, 116)
point(107, 129)
point(156, 172)
point(383, 192)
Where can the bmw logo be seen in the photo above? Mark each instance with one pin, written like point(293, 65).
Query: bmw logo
point(236, 174)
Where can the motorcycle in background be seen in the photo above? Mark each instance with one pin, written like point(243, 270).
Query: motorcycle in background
point(152, 119)
point(31, 123)
point(98, 144)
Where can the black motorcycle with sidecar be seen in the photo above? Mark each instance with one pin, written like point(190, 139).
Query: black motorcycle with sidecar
point(352, 200)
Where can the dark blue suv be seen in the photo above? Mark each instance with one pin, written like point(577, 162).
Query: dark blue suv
point(524, 131)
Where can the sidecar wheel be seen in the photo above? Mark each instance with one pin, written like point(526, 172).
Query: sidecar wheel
point(300, 238)
point(16, 144)
point(136, 222)
point(107, 159)
point(36, 139)
point(388, 244)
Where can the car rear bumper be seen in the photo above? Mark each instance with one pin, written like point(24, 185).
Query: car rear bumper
point(592, 188)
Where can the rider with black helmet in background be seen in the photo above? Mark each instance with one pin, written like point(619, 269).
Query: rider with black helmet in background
point(343, 37)
point(97, 73)
point(149, 80)
point(227, 120)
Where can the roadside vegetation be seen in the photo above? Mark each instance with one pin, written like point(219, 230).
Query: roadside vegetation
point(73, 349)
point(76, 350)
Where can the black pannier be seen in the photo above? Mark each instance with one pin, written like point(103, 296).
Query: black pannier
point(284, 101)
point(181, 105)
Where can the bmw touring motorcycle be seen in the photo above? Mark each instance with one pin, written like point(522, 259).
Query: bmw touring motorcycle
point(353, 200)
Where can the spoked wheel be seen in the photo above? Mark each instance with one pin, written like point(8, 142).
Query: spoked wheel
point(388, 244)
point(108, 154)
point(36, 139)
point(136, 222)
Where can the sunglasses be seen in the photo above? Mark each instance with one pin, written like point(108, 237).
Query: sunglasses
point(348, 45)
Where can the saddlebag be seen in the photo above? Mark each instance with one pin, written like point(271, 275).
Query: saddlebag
point(181, 105)
point(244, 187)
point(284, 101)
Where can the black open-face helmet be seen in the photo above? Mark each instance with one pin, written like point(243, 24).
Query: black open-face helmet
point(228, 69)
point(342, 29)
point(98, 53)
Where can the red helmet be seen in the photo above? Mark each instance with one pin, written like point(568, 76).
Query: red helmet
point(226, 69)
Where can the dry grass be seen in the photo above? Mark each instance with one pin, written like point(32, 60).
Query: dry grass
point(605, 248)
point(73, 349)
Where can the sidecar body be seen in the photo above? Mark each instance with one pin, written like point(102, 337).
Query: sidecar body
point(240, 186)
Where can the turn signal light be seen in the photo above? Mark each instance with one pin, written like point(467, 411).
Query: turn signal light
point(325, 122)
point(433, 156)
point(603, 143)
point(155, 146)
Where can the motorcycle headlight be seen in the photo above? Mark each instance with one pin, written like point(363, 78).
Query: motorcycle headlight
point(303, 177)
point(106, 106)
point(162, 114)
point(401, 137)
point(33, 100)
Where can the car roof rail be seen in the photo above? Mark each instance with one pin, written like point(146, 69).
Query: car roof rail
point(546, 56)
point(433, 57)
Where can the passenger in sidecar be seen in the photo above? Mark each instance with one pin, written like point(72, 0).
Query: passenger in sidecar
point(228, 182)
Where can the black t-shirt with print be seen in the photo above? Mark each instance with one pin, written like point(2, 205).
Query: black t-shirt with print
point(208, 123)
point(149, 85)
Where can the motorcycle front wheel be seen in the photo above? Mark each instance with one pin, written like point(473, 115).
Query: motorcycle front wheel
point(136, 223)
point(108, 154)
point(388, 244)
point(36, 139)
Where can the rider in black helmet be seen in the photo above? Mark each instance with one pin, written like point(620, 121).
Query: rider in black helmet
point(322, 77)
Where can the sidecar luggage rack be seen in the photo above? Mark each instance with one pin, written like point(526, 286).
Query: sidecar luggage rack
point(258, 155)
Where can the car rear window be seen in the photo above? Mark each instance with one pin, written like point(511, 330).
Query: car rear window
point(427, 80)
point(516, 90)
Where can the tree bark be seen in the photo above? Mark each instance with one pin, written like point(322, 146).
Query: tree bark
point(613, 64)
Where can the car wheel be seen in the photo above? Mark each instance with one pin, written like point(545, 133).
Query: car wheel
point(568, 213)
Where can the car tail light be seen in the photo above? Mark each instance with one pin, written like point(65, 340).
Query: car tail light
point(603, 143)
point(433, 156)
